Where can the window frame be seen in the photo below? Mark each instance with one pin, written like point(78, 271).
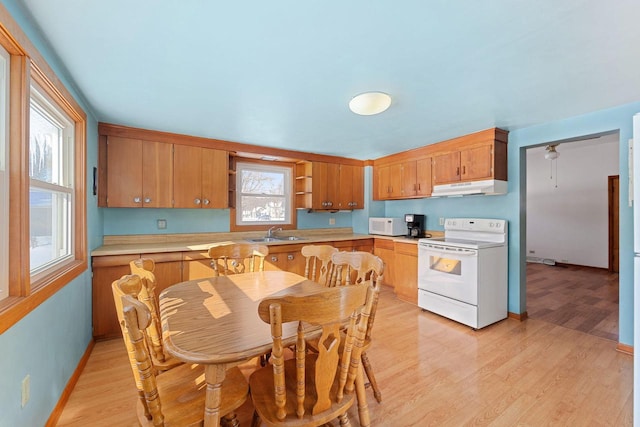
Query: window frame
point(289, 194)
point(5, 94)
point(50, 111)
point(28, 68)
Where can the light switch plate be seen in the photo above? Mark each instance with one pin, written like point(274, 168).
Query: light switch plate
point(162, 224)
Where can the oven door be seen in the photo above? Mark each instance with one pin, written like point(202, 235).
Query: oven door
point(448, 271)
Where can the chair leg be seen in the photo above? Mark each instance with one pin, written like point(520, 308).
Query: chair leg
point(147, 414)
point(372, 379)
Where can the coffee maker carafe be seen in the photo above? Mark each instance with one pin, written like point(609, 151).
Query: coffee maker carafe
point(415, 225)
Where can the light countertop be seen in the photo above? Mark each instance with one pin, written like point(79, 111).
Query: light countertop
point(158, 243)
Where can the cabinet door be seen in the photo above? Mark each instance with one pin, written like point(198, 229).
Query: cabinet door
point(477, 163)
point(106, 270)
point(351, 187)
point(406, 272)
point(384, 249)
point(285, 258)
point(168, 269)
point(187, 176)
point(409, 186)
point(196, 265)
point(333, 185)
point(423, 177)
point(395, 180)
point(124, 172)
point(319, 192)
point(357, 192)
point(215, 178)
point(446, 168)
point(384, 186)
point(157, 174)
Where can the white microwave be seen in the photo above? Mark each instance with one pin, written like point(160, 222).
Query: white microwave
point(387, 226)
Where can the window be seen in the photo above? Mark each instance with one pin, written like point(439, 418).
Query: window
point(43, 208)
point(50, 184)
point(4, 176)
point(264, 194)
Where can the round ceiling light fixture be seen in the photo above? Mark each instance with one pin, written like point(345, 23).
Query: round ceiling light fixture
point(370, 103)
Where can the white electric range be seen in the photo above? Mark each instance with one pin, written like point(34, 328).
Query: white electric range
point(463, 275)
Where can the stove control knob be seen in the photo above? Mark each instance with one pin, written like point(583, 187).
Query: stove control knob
point(490, 225)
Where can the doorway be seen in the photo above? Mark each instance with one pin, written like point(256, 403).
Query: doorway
point(570, 212)
point(614, 223)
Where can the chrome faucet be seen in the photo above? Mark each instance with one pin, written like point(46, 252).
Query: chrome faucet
point(271, 231)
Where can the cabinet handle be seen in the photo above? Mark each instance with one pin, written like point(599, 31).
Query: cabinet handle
point(290, 257)
point(137, 200)
point(205, 201)
point(418, 187)
point(196, 201)
point(464, 170)
point(274, 258)
point(458, 171)
point(147, 199)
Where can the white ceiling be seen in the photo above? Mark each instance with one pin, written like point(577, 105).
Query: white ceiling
point(281, 73)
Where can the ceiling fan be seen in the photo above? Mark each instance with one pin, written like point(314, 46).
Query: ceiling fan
point(551, 153)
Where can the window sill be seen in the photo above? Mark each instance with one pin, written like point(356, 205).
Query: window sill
point(13, 309)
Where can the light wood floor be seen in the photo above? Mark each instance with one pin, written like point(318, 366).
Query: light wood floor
point(582, 298)
point(433, 371)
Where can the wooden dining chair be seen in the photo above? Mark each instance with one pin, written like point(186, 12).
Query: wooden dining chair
point(312, 389)
point(353, 268)
point(175, 397)
point(237, 258)
point(318, 262)
point(144, 268)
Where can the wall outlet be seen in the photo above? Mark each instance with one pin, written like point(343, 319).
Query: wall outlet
point(162, 224)
point(26, 390)
point(441, 220)
point(332, 221)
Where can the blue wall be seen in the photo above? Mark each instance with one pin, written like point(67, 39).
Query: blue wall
point(121, 221)
point(512, 205)
point(48, 343)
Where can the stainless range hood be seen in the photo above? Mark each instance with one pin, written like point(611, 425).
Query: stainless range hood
point(488, 186)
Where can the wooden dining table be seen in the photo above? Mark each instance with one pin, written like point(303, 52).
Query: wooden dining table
point(214, 322)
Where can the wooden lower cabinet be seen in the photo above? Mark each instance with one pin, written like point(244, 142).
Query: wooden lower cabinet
point(286, 258)
point(384, 249)
point(107, 269)
point(196, 265)
point(406, 271)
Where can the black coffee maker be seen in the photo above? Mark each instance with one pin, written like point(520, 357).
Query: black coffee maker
point(415, 225)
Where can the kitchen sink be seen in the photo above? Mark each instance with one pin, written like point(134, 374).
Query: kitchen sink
point(275, 239)
point(265, 239)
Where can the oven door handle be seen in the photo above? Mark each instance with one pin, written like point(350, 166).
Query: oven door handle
point(444, 251)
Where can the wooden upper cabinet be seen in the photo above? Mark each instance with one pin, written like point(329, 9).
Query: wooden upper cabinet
point(423, 177)
point(408, 184)
point(446, 168)
point(200, 177)
point(329, 186)
point(404, 179)
point(351, 187)
point(139, 173)
point(476, 163)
